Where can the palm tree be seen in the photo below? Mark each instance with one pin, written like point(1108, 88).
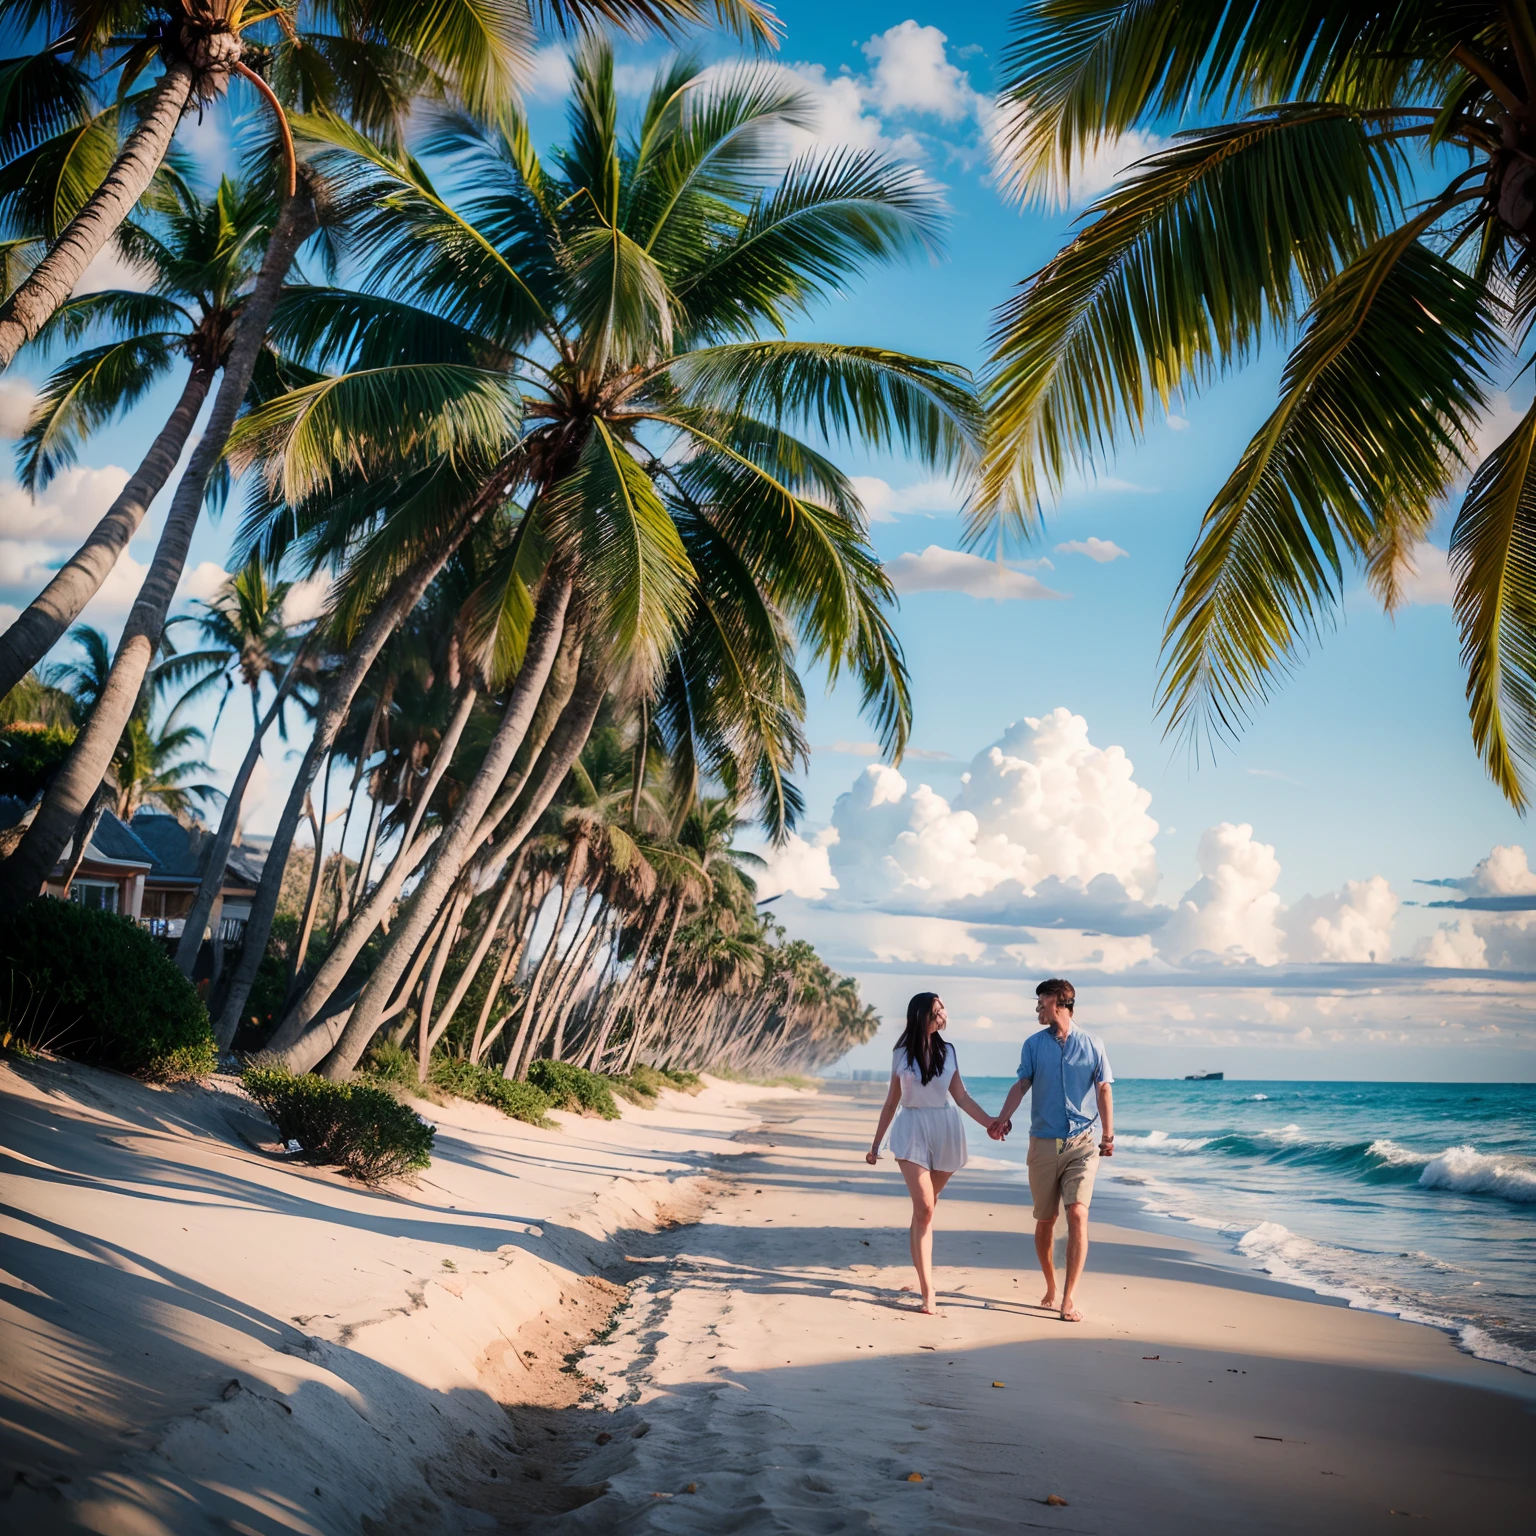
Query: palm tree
point(201, 258)
point(151, 769)
point(586, 336)
point(1375, 203)
point(247, 638)
point(366, 59)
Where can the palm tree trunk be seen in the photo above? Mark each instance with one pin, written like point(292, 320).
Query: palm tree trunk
point(477, 955)
point(48, 616)
point(22, 875)
point(218, 856)
point(425, 1038)
point(349, 944)
point(441, 759)
point(365, 858)
point(53, 279)
point(404, 596)
point(457, 841)
point(529, 1030)
point(300, 952)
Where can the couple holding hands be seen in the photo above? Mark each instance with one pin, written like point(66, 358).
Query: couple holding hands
point(1071, 1126)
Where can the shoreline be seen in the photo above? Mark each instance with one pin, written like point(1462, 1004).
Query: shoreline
point(689, 1320)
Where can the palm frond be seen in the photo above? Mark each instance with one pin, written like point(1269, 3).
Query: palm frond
point(1493, 562)
point(1379, 402)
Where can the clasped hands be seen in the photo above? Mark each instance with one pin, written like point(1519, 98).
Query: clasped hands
point(999, 1129)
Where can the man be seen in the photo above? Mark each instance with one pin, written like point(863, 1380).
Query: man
point(1071, 1124)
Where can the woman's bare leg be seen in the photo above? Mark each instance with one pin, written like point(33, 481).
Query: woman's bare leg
point(924, 1185)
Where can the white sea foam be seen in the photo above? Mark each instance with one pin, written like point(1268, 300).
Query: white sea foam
point(1161, 1141)
point(1331, 1271)
point(1481, 1173)
point(1391, 1155)
point(1259, 1098)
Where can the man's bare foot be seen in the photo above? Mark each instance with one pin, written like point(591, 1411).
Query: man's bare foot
point(1069, 1313)
point(1048, 1301)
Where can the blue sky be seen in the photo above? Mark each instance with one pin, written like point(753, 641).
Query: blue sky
point(1292, 950)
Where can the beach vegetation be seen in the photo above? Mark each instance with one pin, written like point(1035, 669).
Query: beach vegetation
point(1351, 182)
point(100, 990)
point(567, 1086)
point(363, 1129)
point(466, 1080)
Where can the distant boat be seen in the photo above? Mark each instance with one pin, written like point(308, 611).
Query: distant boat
point(1205, 1077)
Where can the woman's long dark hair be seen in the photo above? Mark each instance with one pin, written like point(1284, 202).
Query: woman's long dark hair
point(927, 1052)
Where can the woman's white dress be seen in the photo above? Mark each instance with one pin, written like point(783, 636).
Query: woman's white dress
point(927, 1129)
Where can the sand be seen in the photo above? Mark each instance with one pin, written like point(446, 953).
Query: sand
point(199, 1336)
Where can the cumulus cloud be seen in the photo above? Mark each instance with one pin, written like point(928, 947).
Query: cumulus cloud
point(953, 570)
point(1043, 802)
point(1456, 946)
point(798, 867)
point(884, 502)
point(70, 506)
point(17, 399)
point(205, 580)
point(549, 76)
point(1102, 551)
point(1232, 911)
point(1428, 582)
point(306, 599)
point(1098, 169)
point(911, 73)
point(1505, 872)
point(851, 748)
point(1177, 423)
point(1353, 925)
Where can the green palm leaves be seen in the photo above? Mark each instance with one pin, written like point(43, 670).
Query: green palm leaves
point(579, 336)
point(1292, 220)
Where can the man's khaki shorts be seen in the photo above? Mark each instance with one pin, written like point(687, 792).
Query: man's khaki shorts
point(1064, 1177)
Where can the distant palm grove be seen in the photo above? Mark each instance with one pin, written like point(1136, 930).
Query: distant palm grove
point(531, 424)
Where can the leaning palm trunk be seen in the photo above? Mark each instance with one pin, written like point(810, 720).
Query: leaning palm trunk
point(403, 596)
point(317, 824)
point(218, 855)
point(22, 875)
point(48, 616)
point(457, 842)
point(53, 279)
point(372, 912)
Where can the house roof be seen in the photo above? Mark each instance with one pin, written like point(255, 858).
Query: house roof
point(180, 852)
point(115, 840)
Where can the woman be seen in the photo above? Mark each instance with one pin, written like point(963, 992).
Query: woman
point(928, 1140)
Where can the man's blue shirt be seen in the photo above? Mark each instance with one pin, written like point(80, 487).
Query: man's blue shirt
point(1062, 1077)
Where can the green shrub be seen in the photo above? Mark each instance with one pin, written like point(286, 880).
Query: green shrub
point(96, 987)
point(365, 1130)
point(569, 1087)
point(684, 1082)
point(465, 1080)
point(630, 1091)
point(394, 1066)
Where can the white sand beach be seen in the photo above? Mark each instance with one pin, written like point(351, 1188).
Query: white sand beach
point(199, 1336)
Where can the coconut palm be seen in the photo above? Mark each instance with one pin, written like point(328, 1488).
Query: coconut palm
point(590, 331)
point(152, 769)
point(200, 256)
point(1373, 202)
point(368, 60)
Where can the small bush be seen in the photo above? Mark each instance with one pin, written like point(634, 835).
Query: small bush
point(102, 991)
point(393, 1066)
point(684, 1082)
point(465, 1080)
point(569, 1087)
point(365, 1130)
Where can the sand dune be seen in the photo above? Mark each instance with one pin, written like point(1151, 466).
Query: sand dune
point(198, 1337)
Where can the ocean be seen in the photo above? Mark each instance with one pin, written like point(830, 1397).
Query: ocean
point(1415, 1199)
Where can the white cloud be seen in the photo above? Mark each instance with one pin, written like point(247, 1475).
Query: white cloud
point(851, 748)
point(17, 398)
point(953, 570)
point(204, 581)
point(549, 77)
point(109, 268)
point(306, 599)
point(1500, 420)
point(1232, 912)
point(1351, 925)
point(68, 508)
point(924, 941)
point(884, 503)
point(1099, 550)
point(1177, 423)
point(1453, 946)
point(1041, 803)
point(1505, 872)
point(1061, 949)
point(798, 868)
point(1428, 582)
point(1091, 173)
point(912, 74)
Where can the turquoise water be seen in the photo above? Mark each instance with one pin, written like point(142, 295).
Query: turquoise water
point(1417, 1199)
